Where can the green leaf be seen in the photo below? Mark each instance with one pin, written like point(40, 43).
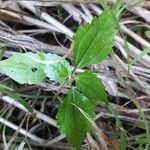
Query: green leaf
point(94, 42)
point(71, 121)
point(104, 4)
point(23, 68)
point(91, 87)
point(59, 71)
point(10, 92)
point(147, 34)
point(145, 140)
point(116, 8)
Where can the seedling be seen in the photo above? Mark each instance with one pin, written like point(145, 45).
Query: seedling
point(92, 44)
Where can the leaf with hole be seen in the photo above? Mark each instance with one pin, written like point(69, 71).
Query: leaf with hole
point(71, 121)
point(23, 68)
point(91, 87)
point(58, 71)
point(94, 42)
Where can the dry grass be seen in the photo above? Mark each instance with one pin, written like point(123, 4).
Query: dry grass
point(49, 26)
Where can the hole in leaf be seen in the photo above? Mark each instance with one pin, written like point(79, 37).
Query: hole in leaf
point(12, 71)
point(34, 69)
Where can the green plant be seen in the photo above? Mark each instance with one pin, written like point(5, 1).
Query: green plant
point(91, 44)
point(147, 34)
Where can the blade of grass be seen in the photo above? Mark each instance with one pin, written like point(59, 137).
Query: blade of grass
point(6, 90)
point(140, 56)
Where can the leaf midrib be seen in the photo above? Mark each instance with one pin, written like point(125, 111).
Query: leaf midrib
point(90, 44)
point(90, 85)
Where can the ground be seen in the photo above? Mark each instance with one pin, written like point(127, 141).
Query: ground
point(49, 26)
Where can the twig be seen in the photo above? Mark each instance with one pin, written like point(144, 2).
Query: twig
point(22, 131)
point(37, 114)
point(135, 36)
